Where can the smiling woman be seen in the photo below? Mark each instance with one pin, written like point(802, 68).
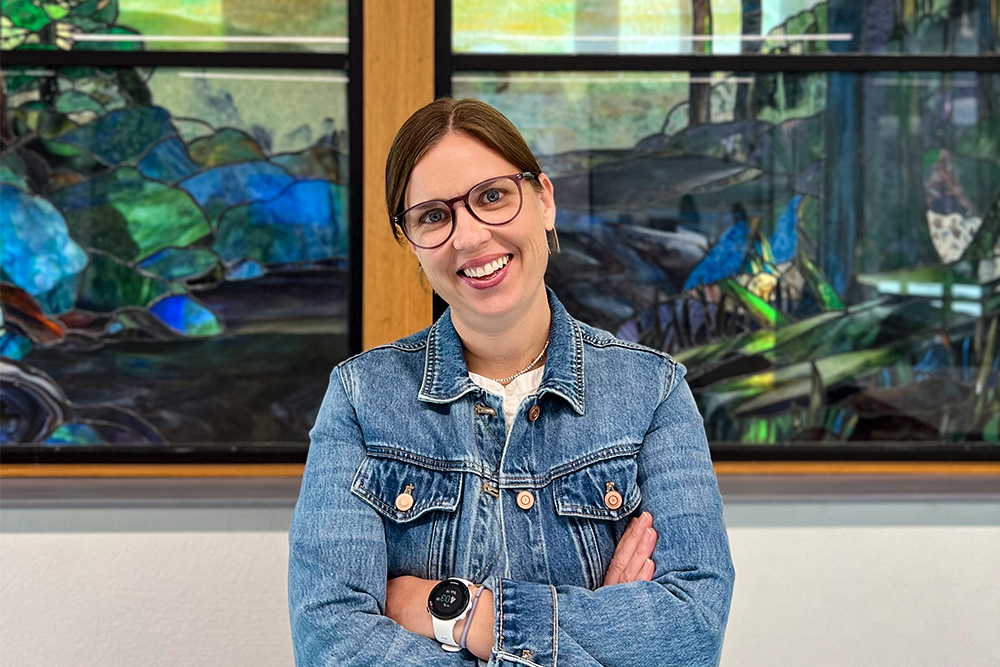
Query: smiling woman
point(541, 489)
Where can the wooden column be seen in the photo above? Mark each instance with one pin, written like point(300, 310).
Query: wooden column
point(398, 80)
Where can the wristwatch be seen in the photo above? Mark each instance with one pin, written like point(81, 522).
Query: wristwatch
point(448, 603)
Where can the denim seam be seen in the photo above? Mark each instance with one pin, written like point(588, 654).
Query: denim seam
point(510, 657)
point(388, 510)
point(382, 452)
point(555, 624)
point(596, 512)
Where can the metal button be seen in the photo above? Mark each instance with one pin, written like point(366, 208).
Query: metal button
point(525, 500)
point(533, 413)
point(404, 501)
point(612, 499)
point(485, 410)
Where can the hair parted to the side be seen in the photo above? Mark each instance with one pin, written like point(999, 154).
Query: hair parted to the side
point(444, 116)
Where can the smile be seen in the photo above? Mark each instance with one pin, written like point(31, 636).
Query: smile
point(487, 271)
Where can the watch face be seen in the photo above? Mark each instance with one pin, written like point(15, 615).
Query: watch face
point(448, 599)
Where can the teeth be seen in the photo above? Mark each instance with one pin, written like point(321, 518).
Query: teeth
point(481, 271)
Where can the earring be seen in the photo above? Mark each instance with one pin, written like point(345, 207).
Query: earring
point(552, 241)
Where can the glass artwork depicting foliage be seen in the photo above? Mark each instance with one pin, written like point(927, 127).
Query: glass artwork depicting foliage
point(176, 25)
point(821, 250)
point(174, 254)
point(957, 27)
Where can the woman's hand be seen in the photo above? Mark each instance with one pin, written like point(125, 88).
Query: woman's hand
point(631, 561)
point(406, 603)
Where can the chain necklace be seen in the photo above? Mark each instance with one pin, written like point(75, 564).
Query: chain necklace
point(530, 366)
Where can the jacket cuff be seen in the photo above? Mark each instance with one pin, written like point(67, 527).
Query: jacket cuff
point(525, 620)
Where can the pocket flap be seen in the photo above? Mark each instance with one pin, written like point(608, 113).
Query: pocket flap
point(380, 481)
point(582, 493)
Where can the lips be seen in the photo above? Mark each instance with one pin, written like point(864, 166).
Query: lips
point(487, 280)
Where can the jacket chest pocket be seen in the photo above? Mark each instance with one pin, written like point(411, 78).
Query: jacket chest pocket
point(421, 505)
point(595, 500)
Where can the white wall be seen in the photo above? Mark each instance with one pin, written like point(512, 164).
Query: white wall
point(823, 581)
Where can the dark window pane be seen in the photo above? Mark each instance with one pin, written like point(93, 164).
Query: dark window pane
point(821, 249)
point(174, 256)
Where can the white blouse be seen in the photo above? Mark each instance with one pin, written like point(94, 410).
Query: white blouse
point(520, 388)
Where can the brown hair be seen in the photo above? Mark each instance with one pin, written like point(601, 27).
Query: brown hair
point(444, 116)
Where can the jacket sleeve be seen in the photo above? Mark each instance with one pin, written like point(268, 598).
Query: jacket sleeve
point(337, 559)
point(680, 616)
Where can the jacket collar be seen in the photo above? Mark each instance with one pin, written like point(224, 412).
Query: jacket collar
point(446, 377)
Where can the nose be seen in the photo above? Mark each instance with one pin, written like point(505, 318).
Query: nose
point(469, 232)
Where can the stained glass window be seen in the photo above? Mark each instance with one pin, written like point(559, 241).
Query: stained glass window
point(176, 25)
point(725, 26)
point(822, 249)
point(174, 257)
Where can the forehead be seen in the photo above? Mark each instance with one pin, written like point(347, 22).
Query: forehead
point(452, 167)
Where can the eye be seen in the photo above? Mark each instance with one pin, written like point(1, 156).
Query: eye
point(433, 217)
point(492, 196)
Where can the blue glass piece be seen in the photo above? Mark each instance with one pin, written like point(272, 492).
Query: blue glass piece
point(724, 259)
point(122, 137)
point(168, 161)
point(187, 316)
point(180, 263)
point(304, 224)
point(217, 189)
point(37, 253)
point(14, 346)
point(74, 434)
point(785, 240)
point(245, 270)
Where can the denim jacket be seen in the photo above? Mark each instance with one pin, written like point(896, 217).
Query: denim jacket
point(406, 418)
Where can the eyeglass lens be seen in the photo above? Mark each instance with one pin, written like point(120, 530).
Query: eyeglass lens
point(494, 202)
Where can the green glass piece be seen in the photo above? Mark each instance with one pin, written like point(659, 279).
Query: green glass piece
point(157, 216)
point(180, 263)
point(821, 287)
point(55, 12)
point(25, 14)
point(225, 147)
point(72, 101)
point(109, 284)
point(74, 434)
point(12, 172)
point(765, 314)
point(100, 10)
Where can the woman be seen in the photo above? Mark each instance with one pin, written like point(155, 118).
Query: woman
point(507, 445)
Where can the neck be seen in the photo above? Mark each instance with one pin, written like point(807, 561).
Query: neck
point(501, 352)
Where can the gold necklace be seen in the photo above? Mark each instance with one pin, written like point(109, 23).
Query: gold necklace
point(530, 366)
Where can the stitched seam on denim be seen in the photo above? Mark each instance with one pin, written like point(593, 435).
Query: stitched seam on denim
point(555, 624)
point(500, 607)
point(617, 342)
point(595, 512)
point(615, 451)
point(391, 453)
point(413, 347)
point(510, 657)
point(673, 377)
point(429, 361)
point(390, 512)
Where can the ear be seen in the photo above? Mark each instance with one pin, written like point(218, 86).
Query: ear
point(548, 202)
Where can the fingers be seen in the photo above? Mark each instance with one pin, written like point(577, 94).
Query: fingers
point(647, 571)
point(642, 553)
point(632, 552)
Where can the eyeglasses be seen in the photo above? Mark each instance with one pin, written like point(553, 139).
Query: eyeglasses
point(496, 201)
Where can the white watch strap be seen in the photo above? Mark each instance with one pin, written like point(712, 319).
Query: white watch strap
point(444, 631)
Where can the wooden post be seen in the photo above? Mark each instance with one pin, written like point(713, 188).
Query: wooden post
point(398, 80)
